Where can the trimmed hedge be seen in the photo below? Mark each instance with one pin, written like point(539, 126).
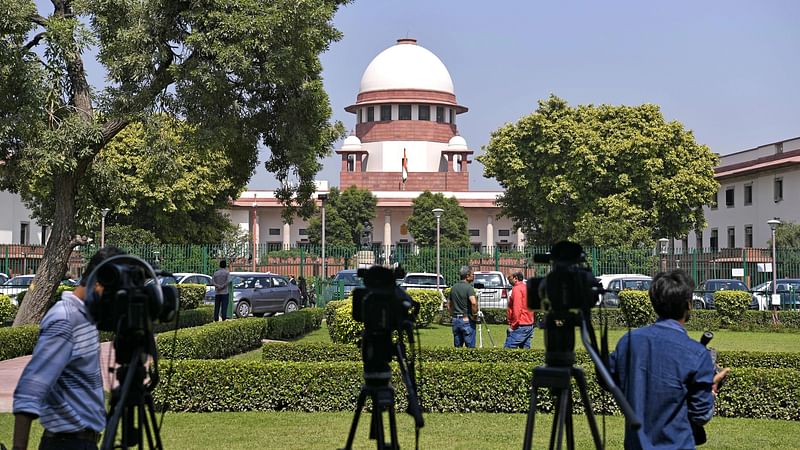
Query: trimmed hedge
point(18, 341)
point(636, 308)
point(212, 341)
point(294, 324)
point(430, 301)
point(299, 352)
point(7, 310)
point(190, 296)
point(731, 305)
point(235, 385)
point(24, 340)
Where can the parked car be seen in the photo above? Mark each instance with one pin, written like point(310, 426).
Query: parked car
point(422, 280)
point(788, 289)
point(3, 278)
point(614, 283)
point(15, 285)
point(495, 290)
point(194, 278)
point(263, 293)
point(348, 279)
point(703, 297)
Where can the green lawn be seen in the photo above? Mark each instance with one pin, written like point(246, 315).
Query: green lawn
point(291, 430)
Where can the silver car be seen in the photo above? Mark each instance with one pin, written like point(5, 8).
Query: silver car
point(263, 293)
point(495, 291)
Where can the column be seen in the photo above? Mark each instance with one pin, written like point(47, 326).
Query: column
point(387, 236)
point(520, 240)
point(490, 231)
point(287, 236)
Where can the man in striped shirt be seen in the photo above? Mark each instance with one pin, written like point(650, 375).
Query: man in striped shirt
point(62, 385)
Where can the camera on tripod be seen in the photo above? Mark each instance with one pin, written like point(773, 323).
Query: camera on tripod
point(380, 306)
point(132, 299)
point(569, 285)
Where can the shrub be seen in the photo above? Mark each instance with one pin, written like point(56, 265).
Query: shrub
point(190, 296)
point(636, 308)
point(212, 341)
point(430, 302)
point(731, 305)
point(187, 319)
point(7, 310)
point(234, 385)
point(18, 341)
point(343, 329)
point(762, 321)
point(294, 324)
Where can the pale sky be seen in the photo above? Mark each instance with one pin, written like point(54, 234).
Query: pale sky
point(728, 70)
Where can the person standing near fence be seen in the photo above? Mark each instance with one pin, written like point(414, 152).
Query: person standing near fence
point(463, 307)
point(220, 279)
point(520, 318)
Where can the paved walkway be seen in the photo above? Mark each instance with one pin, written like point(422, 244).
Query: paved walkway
point(11, 370)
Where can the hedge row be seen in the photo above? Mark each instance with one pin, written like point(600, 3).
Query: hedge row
point(299, 352)
point(20, 341)
point(220, 340)
point(234, 385)
point(7, 310)
point(191, 296)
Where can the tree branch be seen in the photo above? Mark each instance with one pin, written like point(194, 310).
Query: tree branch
point(38, 20)
point(35, 41)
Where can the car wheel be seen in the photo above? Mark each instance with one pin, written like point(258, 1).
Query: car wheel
point(242, 309)
point(291, 306)
point(697, 304)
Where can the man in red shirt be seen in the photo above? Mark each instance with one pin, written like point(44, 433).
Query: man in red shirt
point(520, 318)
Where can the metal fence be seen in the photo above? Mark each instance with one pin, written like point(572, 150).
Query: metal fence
point(751, 265)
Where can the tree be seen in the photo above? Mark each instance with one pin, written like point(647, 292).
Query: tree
point(453, 223)
point(787, 236)
point(240, 73)
point(346, 212)
point(601, 175)
point(155, 180)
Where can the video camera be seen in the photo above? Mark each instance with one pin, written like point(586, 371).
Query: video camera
point(570, 283)
point(380, 305)
point(132, 299)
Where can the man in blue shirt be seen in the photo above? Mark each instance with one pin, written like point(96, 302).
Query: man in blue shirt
point(62, 385)
point(667, 377)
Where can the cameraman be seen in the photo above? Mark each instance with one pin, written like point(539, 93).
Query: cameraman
point(463, 307)
point(666, 376)
point(62, 385)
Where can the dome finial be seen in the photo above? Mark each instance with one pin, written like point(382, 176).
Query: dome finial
point(407, 40)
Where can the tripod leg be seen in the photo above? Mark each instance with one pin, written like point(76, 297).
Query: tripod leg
point(563, 409)
point(570, 429)
point(531, 422)
point(376, 426)
point(362, 396)
point(152, 413)
point(393, 429)
point(580, 378)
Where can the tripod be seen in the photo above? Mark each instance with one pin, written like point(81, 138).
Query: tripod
point(557, 375)
point(377, 386)
point(132, 402)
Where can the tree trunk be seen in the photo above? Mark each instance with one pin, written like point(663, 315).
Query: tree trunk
point(56, 255)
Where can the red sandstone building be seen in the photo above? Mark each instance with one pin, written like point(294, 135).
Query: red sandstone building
point(406, 107)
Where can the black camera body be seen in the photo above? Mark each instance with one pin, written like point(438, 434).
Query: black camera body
point(570, 285)
point(380, 305)
point(132, 299)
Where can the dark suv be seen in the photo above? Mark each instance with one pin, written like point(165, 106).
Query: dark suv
point(704, 293)
point(263, 293)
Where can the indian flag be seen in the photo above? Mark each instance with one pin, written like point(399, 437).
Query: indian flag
point(405, 166)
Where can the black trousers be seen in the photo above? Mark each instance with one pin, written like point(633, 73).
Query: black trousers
point(51, 443)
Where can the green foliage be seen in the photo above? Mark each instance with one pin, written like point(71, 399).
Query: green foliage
point(212, 341)
point(190, 296)
point(453, 223)
point(636, 308)
point(787, 236)
point(601, 175)
point(7, 310)
point(462, 387)
point(129, 236)
point(18, 341)
point(240, 74)
point(788, 321)
point(731, 305)
point(450, 261)
point(346, 212)
point(294, 324)
point(430, 303)
point(342, 328)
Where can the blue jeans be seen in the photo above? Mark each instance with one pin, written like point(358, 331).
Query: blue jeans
point(519, 338)
point(221, 302)
point(463, 332)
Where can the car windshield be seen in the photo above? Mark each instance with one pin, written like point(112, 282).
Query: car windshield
point(489, 280)
point(17, 281)
point(638, 285)
point(426, 280)
point(731, 286)
point(349, 278)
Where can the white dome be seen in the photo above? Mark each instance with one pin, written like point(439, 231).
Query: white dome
point(406, 65)
point(352, 142)
point(457, 143)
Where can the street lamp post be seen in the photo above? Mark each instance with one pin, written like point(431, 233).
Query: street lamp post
point(438, 213)
point(773, 225)
point(104, 213)
point(323, 198)
point(662, 244)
